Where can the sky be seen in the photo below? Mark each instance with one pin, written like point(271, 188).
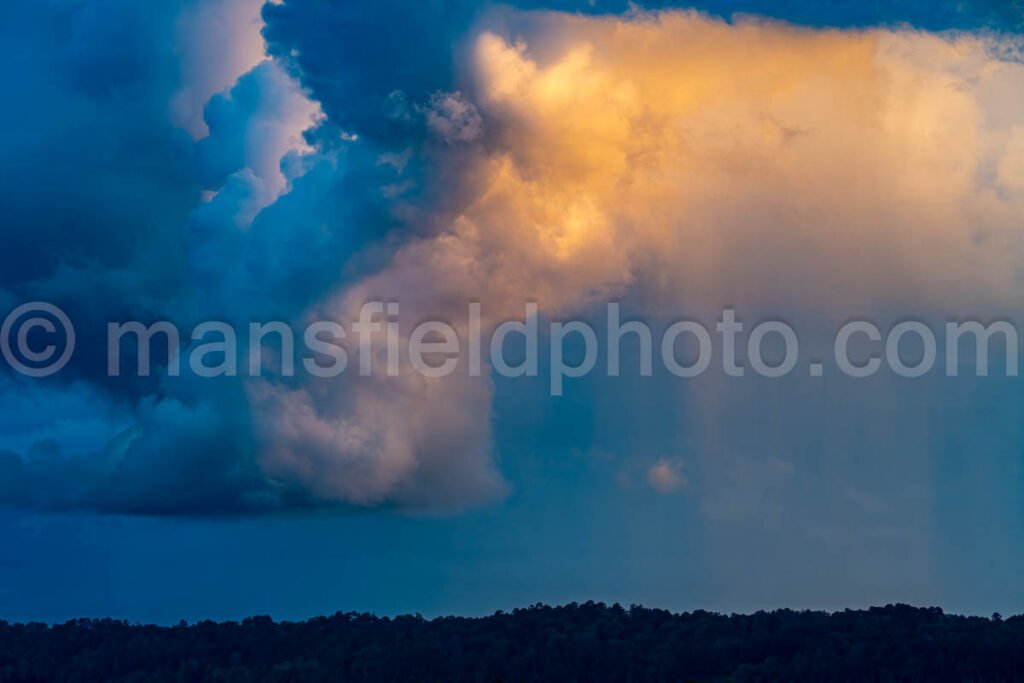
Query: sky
point(235, 161)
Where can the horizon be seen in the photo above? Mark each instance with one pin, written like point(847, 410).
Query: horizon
point(995, 617)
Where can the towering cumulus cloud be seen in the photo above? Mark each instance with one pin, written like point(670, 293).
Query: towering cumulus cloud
point(703, 162)
point(689, 161)
point(716, 155)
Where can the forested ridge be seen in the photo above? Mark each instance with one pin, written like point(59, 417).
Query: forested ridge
point(577, 642)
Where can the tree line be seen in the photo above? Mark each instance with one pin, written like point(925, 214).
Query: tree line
point(571, 643)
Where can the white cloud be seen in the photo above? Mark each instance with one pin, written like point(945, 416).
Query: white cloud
point(666, 476)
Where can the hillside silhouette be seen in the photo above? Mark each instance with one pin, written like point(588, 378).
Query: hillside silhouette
point(576, 642)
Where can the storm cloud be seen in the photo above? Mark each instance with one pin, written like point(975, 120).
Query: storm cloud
point(435, 153)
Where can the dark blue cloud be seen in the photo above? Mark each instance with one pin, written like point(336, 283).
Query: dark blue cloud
point(104, 217)
point(96, 182)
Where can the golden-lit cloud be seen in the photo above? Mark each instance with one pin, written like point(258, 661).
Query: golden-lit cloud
point(752, 161)
point(699, 162)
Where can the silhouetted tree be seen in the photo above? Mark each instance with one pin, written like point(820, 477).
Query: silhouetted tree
point(575, 643)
